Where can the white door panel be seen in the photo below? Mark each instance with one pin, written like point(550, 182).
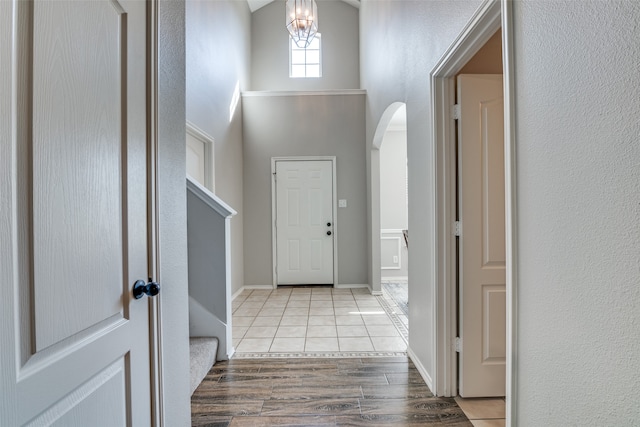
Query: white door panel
point(482, 243)
point(304, 207)
point(78, 239)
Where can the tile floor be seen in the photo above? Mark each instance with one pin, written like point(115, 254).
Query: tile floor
point(483, 412)
point(299, 320)
point(322, 321)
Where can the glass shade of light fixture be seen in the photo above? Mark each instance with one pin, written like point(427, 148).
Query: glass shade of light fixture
point(302, 21)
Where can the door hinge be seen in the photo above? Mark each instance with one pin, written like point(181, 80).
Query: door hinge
point(455, 111)
point(457, 228)
point(458, 344)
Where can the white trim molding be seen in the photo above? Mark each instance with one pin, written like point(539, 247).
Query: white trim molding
point(421, 369)
point(209, 154)
point(258, 287)
point(490, 16)
point(398, 252)
point(304, 93)
point(210, 199)
point(511, 207)
point(350, 286)
point(398, 236)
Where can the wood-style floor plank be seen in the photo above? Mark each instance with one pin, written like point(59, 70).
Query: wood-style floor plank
point(320, 392)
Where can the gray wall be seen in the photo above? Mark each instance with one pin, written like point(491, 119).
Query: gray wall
point(338, 24)
point(331, 125)
point(577, 91)
point(401, 41)
point(393, 180)
point(217, 59)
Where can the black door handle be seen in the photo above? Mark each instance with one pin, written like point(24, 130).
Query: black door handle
point(328, 233)
point(140, 288)
point(328, 224)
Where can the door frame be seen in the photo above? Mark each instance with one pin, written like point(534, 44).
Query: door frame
point(489, 17)
point(274, 217)
point(153, 218)
point(209, 154)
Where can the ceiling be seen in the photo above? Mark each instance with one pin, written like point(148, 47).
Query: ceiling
point(257, 4)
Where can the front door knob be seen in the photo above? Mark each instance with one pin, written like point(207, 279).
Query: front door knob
point(328, 233)
point(140, 288)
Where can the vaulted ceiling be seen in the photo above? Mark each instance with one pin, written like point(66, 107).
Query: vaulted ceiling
point(257, 4)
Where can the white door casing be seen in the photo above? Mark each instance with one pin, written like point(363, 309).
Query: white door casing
point(75, 343)
point(196, 159)
point(304, 221)
point(200, 157)
point(482, 242)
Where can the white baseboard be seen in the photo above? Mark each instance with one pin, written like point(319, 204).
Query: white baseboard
point(231, 353)
point(238, 292)
point(251, 287)
point(350, 286)
point(420, 367)
point(376, 293)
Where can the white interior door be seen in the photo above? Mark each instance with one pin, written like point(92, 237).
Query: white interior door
point(75, 343)
point(304, 222)
point(482, 241)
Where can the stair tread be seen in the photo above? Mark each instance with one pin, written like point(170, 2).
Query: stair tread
point(202, 356)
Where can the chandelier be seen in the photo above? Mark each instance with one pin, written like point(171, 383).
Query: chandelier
point(302, 21)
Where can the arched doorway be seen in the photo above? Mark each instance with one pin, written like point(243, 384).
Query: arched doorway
point(394, 214)
point(389, 207)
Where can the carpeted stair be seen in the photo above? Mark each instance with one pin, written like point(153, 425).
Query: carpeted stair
point(202, 355)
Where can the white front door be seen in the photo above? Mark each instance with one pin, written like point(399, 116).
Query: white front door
point(304, 222)
point(74, 343)
point(482, 241)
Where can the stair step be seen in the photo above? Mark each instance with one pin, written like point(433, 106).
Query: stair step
point(202, 355)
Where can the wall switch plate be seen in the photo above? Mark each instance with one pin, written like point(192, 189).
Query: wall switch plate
point(342, 203)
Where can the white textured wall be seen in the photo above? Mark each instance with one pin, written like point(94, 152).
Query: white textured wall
point(401, 41)
point(305, 125)
point(578, 157)
point(338, 24)
point(577, 92)
point(393, 201)
point(393, 180)
point(218, 37)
